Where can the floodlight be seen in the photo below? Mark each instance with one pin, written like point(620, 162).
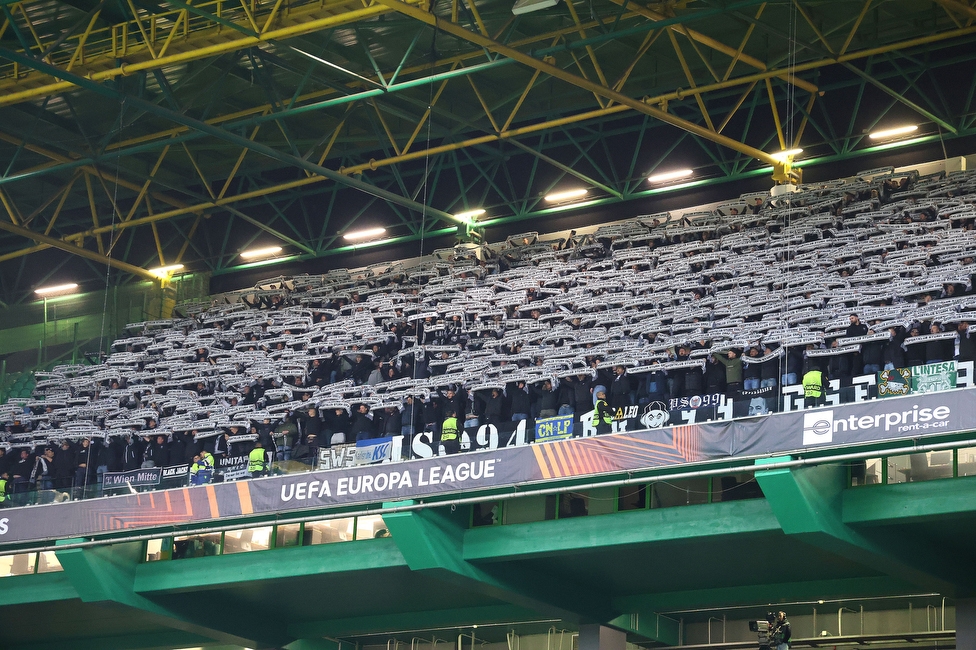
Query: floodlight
point(469, 215)
point(664, 177)
point(258, 253)
point(164, 271)
point(892, 133)
point(56, 289)
point(528, 6)
point(364, 234)
point(568, 195)
point(789, 153)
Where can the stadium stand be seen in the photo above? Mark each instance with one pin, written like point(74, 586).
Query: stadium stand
point(848, 277)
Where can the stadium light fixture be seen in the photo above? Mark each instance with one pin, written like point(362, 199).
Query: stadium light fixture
point(665, 177)
point(259, 253)
point(568, 195)
point(469, 215)
point(789, 153)
point(522, 7)
point(166, 271)
point(56, 289)
point(364, 234)
point(884, 134)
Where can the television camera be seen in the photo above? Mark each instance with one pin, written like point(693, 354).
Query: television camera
point(767, 631)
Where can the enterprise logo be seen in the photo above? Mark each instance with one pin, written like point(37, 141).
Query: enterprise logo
point(819, 426)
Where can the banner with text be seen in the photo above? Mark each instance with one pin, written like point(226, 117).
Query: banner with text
point(522, 464)
point(556, 428)
point(135, 478)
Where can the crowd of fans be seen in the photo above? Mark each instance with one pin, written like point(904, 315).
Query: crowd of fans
point(847, 277)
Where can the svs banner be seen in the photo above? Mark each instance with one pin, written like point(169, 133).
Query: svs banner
point(911, 417)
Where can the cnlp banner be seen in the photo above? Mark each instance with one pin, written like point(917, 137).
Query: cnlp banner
point(914, 416)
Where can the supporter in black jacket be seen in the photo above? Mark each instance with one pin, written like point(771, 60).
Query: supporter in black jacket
point(114, 455)
point(751, 372)
point(160, 451)
point(362, 424)
point(566, 398)
point(308, 422)
point(840, 366)
point(63, 466)
point(391, 422)
point(451, 400)
point(619, 389)
point(967, 343)
point(769, 371)
point(177, 450)
point(411, 416)
point(582, 392)
point(544, 400)
point(793, 365)
point(914, 352)
point(714, 376)
point(894, 353)
point(133, 454)
point(521, 404)
point(872, 356)
point(333, 421)
point(939, 351)
point(493, 405)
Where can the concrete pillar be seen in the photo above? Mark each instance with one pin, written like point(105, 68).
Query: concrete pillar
point(598, 637)
point(965, 624)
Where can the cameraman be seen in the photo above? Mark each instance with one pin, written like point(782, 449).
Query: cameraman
point(780, 632)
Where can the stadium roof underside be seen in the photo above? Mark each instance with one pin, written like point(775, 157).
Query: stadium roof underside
point(805, 541)
point(138, 133)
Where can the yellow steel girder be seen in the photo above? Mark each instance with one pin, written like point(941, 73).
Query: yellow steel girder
point(207, 39)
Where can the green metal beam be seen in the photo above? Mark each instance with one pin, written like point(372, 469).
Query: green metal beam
point(901, 98)
point(432, 540)
point(106, 574)
point(223, 134)
point(910, 502)
point(807, 501)
point(648, 627)
point(19, 590)
point(167, 577)
point(550, 538)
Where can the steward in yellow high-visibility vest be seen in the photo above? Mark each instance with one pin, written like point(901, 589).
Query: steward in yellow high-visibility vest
point(813, 389)
point(257, 463)
point(450, 434)
point(602, 415)
point(200, 471)
point(3, 490)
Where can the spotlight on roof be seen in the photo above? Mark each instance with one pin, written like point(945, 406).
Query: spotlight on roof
point(789, 153)
point(260, 253)
point(568, 195)
point(665, 177)
point(166, 271)
point(369, 233)
point(469, 215)
point(893, 133)
point(528, 6)
point(56, 289)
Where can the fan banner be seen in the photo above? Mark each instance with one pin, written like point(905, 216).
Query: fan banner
point(520, 463)
point(134, 478)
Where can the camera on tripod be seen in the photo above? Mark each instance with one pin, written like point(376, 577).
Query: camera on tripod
point(765, 631)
